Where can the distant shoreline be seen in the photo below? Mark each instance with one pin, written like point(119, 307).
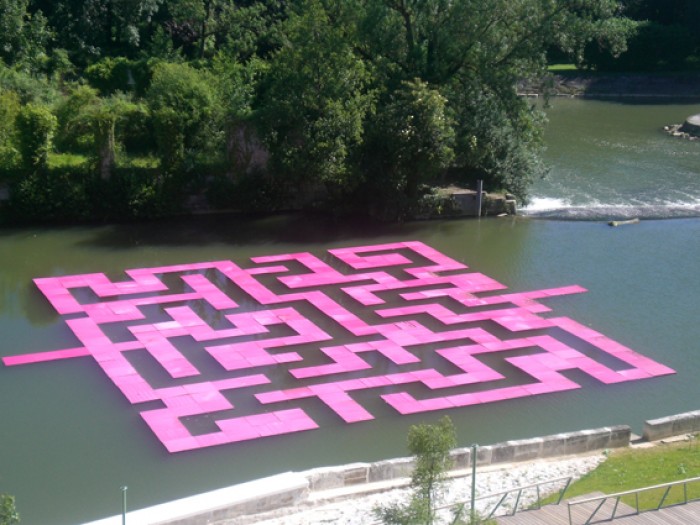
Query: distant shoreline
point(682, 85)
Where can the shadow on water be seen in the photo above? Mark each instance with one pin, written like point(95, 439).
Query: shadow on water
point(245, 230)
point(642, 100)
point(663, 88)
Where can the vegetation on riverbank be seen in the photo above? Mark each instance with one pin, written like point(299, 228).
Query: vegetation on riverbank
point(635, 468)
point(272, 104)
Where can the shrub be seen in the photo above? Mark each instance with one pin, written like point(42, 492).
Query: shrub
point(76, 194)
point(8, 512)
point(248, 193)
point(112, 74)
point(43, 197)
point(185, 111)
point(134, 193)
point(69, 136)
point(29, 88)
point(36, 126)
point(431, 445)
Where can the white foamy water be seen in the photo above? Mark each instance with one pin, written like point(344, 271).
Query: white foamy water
point(613, 161)
point(558, 208)
point(543, 204)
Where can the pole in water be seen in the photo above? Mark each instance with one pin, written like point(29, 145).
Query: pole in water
point(124, 489)
point(479, 196)
point(473, 508)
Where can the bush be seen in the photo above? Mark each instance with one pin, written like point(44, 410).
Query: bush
point(76, 194)
point(185, 111)
point(250, 193)
point(430, 445)
point(8, 511)
point(69, 136)
point(36, 126)
point(134, 193)
point(29, 88)
point(113, 74)
point(58, 195)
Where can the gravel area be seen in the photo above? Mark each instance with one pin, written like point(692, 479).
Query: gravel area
point(358, 510)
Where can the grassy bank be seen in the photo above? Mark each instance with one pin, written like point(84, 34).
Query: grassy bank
point(635, 468)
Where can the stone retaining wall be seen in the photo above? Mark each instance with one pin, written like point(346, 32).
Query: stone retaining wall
point(686, 423)
point(292, 488)
point(466, 203)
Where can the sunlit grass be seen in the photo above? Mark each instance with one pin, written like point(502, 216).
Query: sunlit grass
point(562, 67)
point(74, 160)
point(66, 160)
point(636, 468)
point(138, 161)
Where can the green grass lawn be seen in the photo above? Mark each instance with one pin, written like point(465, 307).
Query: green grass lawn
point(556, 68)
point(65, 160)
point(636, 468)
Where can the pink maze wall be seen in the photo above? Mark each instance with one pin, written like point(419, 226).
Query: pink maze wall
point(431, 290)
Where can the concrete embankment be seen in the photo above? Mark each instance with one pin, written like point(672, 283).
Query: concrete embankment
point(271, 496)
point(677, 425)
point(294, 488)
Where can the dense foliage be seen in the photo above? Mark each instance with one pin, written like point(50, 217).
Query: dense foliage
point(345, 106)
point(661, 35)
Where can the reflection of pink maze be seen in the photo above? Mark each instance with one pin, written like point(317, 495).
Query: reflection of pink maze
point(432, 290)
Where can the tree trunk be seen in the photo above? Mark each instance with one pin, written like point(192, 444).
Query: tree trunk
point(204, 28)
point(107, 155)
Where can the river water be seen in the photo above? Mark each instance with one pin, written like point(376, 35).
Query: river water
point(70, 439)
point(610, 160)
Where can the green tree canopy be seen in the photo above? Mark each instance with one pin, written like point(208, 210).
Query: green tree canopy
point(23, 35)
point(186, 111)
point(360, 102)
point(36, 126)
point(314, 101)
point(473, 53)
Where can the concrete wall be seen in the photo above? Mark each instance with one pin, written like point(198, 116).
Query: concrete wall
point(293, 488)
point(253, 497)
point(686, 423)
point(566, 444)
point(466, 202)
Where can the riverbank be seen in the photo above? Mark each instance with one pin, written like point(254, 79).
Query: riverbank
point(508, 476)
point(351, 509)
point(681, 85)
point(349, 493)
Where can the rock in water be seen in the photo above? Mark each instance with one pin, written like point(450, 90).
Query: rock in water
point(691, 126)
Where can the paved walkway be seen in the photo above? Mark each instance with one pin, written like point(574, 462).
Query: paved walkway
point(625, 515)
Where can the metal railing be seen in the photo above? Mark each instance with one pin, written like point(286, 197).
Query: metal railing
point(618, 496)
point(503, 496)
